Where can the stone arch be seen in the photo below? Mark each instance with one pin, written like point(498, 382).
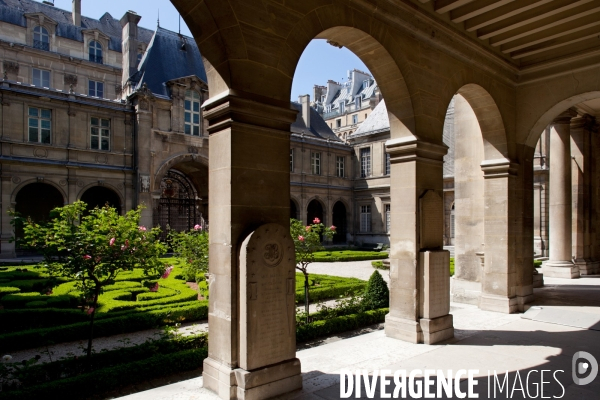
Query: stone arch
point(17, 189)
point(312, 210)
point(339, 218)
point(162, 170)
point(294, 208)
point(100, 198)
point(491, 124)
point(546, 118)
point(27, 201)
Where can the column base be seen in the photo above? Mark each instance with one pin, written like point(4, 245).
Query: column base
point(560, 269)
point(587, 267)
point(467, 292)
point(437, 329)
point(262, 383)
point(538, 280)
point(403, 329)
point(501, 304)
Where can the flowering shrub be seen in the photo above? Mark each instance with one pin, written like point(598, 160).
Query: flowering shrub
point(307, 240)
point(93, 247)
point(192, 246)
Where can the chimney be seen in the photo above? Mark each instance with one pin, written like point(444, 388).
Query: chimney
point(304, 100)
point(129, 23)
point(76, 12)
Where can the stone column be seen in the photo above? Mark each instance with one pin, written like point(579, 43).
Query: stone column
point(560, 264)
point(249, 186)
point(419, 269)
point(7, 247)
point(501, 232)
point(581, 180)
point(144, 159)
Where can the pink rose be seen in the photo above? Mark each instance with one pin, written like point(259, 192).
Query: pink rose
point(197, 227)
point(333, 227)
point(154, 288)
point(307, 228)
point(301, 238)
point(167, 272)
point(316, 221)
point(142, 229)
point(111, 241)
point(87, 257)
point(90, 310)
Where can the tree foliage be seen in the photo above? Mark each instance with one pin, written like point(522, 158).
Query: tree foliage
point(93, 247)
point(377, 294)
point(192, 246)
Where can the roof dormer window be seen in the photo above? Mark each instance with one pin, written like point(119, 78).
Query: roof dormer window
point(95, 51)
point(41, 38)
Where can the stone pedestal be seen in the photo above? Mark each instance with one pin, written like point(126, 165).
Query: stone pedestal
point(435, 318)
point(538, 280)
point(559, 264)
point(587, 267)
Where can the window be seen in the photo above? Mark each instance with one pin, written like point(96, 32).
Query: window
point(41, 39)
point(41, 77)
point(355, 119)
point(339, 166)
point(365, 162)
point(95, 52)
point(96, 89)
point(39, 125)
point(192, 113)
point(315, 163)
point(388, 218)
point(365, 218)
point(338, 123)
point(100, 134)
point(291, 160)
point(388, 165)
point(358, 102)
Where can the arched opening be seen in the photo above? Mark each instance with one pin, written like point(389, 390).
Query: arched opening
point(293, 210)
point(179, 208)
point(314, 210)
point(95, 52)
point(99, 196)
point(339, 220)
point(36, 201)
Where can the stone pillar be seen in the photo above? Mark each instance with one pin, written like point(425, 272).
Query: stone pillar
point(419, 269)
point(144, 159)
point(249, 186)
point(499, 283)
point(560, 264)
point(581, 180)
point(540, 188)
point(7, 247)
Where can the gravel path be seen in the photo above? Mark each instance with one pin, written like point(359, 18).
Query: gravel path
point(355, 269)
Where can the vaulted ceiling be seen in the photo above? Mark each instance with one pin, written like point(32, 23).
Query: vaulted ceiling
point(525, 32)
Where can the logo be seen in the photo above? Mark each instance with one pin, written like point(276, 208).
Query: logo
point(272, 254)
point(584, 364)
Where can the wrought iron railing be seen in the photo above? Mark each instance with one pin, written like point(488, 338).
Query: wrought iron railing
point(38, 44)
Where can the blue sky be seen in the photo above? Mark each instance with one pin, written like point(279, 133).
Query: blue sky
point(319, 62)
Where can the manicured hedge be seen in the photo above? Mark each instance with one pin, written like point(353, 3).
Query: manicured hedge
point(4, 290)
point(349, 255)
point(316, 293)
point(331, 326)
point(106, 326)
point(104, 380)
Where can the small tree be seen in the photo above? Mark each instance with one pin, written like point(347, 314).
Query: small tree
point(192, 246)
point(93, 247)
point(377, 294)
point(307, 240)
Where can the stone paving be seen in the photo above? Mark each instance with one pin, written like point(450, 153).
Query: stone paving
point(485, 341)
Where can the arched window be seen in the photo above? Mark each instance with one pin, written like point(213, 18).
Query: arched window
point(95, 52)
point(192, 113)
point(41, 39)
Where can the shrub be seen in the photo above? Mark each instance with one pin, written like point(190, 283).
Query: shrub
point(8, 290)
point(192, 246)
point(345, 323)
point(379, 265)
point(377, 294)
point(349, 255)
point(451, 266)
point(537, 263)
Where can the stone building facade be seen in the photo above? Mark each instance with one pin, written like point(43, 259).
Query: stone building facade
point(102, 111)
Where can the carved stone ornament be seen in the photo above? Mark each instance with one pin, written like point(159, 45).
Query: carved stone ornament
point(273, 254)
point(70, 79)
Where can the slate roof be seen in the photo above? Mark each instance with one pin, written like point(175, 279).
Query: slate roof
point(318, 127)
point(377, 121)
point(12, 12)
point(165, 60)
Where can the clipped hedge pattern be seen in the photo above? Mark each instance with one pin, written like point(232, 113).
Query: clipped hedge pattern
point(349, 255)
point(331, 326)
point(316, 293)
point(106, 326)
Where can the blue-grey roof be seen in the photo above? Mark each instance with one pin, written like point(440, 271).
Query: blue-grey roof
point(377, 121)
point(165, 60)
point(12, 12)
point(318, 127)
